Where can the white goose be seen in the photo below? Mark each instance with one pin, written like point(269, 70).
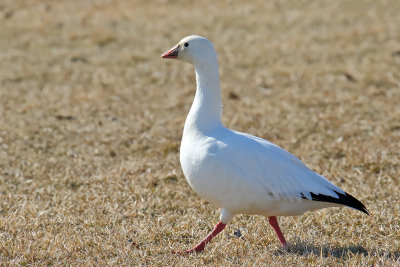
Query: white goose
point(238, 172)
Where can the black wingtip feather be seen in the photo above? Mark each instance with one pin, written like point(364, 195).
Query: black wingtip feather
point(344, 199)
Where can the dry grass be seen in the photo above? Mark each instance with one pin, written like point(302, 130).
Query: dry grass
point(91, 120)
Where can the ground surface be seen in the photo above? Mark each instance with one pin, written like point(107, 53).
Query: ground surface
point(91, 120)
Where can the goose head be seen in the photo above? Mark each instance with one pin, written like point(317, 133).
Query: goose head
point(192, 49)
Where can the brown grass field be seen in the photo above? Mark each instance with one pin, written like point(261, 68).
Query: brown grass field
point(91, 119)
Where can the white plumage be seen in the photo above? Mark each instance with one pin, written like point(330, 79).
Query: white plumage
point(238, 172)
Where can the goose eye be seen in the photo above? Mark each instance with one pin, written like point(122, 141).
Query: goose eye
point(186, 44)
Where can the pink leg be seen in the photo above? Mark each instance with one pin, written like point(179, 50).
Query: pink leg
point(274, 223)
point(200, 246)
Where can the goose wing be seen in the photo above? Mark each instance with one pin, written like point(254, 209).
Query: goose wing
point(282, 174)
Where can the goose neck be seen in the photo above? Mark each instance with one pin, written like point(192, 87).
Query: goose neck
point(205, 113)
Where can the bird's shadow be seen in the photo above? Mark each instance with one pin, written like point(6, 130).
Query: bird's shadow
point(306, 248)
